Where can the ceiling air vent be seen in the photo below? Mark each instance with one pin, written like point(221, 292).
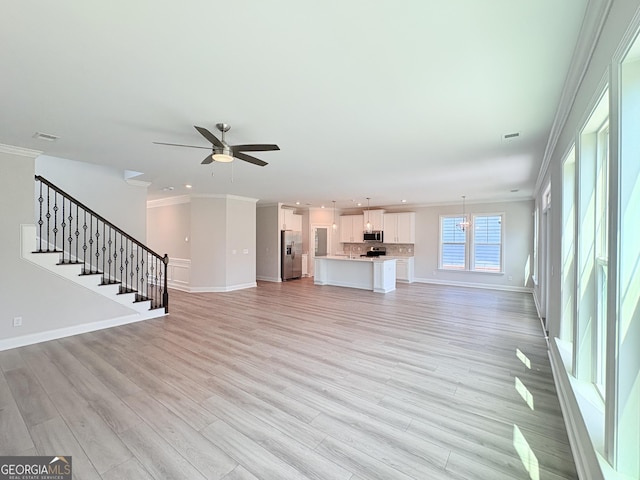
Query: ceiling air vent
point(45, 136)
point(509, 136)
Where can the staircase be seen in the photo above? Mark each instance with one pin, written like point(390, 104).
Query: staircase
point(76, 243)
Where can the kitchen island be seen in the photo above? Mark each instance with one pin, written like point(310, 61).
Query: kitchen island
point(368, 273)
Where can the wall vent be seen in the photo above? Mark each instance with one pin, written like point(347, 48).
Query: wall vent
point(45, 136)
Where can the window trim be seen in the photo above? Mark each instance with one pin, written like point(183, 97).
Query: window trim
point(472, 246)
point(469, 244)
point(441, 245)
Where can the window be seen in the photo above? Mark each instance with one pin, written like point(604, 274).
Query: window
point(592, 252)
point(568, 245)
point(453, 244)
point(476, 248)
point(601, 247)
point(487, 243)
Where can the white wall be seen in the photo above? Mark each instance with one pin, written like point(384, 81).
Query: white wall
point(208, 244)
point(210, 240)
point(169, 232)
point(241, 242)
point(518, 224)
point(45, 301)
point(103, 189)
point(169, 228)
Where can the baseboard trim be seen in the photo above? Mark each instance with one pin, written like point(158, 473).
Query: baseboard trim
point(585, 457)
point(536, 300)
point(269, 279)
point(229, 288)
point(48, 335)
point(178, 286)
point(452, 283)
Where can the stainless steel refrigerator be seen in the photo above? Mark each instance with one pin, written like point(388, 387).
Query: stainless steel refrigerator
point(291, 255)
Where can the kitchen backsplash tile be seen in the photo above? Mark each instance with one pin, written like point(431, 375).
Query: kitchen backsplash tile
point(393, 250)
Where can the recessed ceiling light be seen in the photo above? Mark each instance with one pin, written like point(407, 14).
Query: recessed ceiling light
point(167, 189)
point(403, 201)
point(359, 204)
point(188, 186)
point(45, 136)
point(321, 206)
point(297, 203)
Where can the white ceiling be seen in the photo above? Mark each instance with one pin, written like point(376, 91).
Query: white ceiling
point(402, 99)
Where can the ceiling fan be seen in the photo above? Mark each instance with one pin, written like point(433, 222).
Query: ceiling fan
point(222, 151)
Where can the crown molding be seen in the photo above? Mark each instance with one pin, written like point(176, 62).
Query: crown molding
point(23, 152)
point(165, 202)
point(592, 25)
point(225, 196)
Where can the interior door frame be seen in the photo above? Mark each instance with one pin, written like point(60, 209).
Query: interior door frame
point(312, 244)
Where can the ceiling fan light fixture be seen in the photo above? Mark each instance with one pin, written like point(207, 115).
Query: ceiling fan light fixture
point(222, 157)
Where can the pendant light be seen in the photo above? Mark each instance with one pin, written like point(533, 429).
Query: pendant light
point(335, 226)
point(368, 225)
point(464, 225)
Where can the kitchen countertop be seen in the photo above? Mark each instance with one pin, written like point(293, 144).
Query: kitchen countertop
point(358, 258)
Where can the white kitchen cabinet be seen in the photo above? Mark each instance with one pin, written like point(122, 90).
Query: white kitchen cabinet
point(291, 221)
point(404, 269)
point(296, 223)
point(351, 228)
point(400, 227)
point(376, 218)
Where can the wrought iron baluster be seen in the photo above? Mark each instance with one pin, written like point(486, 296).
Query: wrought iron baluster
point(90, 243)
point(55, 221)
point(63, 225)
point(84, 244)
point(48, 215)
point(165, 293)
point(131, 274)
point(126, 265)
point(77, 232)
point(121, 263)
point(138, 269)
point(111, 280)
point(40, 221)
point(146, 278)
point(97, 254)
point(104, 249)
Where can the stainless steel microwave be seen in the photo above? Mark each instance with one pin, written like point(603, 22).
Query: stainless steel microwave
point(375, 236)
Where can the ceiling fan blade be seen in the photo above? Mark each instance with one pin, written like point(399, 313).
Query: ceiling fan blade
point(209, 136)
point(207, 160)
point(254, 148)
point(180, 145)
point(249, 158)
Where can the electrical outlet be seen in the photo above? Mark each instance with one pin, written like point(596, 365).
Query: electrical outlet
point(17, 321)
point(510, 278)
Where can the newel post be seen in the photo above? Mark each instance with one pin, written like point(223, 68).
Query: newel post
point(165, 295)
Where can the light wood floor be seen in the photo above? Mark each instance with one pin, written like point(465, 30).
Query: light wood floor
point(294, 381)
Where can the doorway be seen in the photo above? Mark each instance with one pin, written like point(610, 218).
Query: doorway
point(320, 244)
